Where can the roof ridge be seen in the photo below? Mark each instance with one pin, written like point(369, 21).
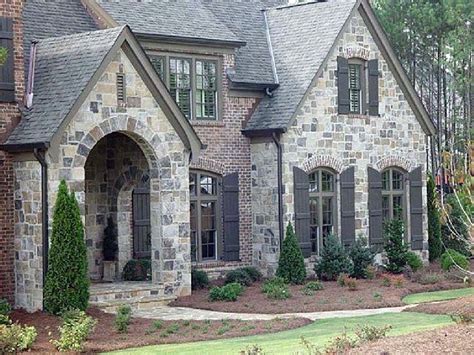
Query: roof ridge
point(49, 40)
point(310, 2)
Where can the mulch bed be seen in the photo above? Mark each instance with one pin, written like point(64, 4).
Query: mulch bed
point(143, 332)
point(369, 294)
point(464, 305)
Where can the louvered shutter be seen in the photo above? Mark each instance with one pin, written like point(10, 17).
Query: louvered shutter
point(347, 206)
point(373, 69)
point(375, 208)
point(7, 73)
point(301, 201)
point(230, 187)
point(416, 209)
point(342, 85)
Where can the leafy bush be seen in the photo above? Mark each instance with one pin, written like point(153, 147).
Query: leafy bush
point(229, 292)
point(414, 261)
point(334, 260)
point(137, 270)
point(239, 276)
point(15, 337)
point(454, 231)
point(341, 344)
point(252, 350)
point(122, 319)
point(394, 245)
point(362, 257)
point(426, 278)
point(462, 317)
point(76, 327)
point(5, 307)
point(291, 262)
point(371, 332)
point(452, 258)
point(341, 279)
point(199, 279)
point(252, 271)
point(386, 280)
point(377, 296)
point(351, 283)
point(370, 272)
point(311, 287)
point(109, 244)
point(398, 280)
point(67, 281)
point(276, 288)
point(434, 224)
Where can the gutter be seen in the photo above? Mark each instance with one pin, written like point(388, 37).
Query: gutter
point(276, 140)
point(40, 155)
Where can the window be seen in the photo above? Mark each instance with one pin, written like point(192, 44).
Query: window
point(393, 194)
point(355, 93)
point(192, 82)
point(204, 211)
point(322, 206)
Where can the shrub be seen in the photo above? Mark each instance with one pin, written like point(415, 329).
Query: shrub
point(454, 231)
point(199, 279)
point(341, 344)
point(67, 281)
point(426, 278)
point(434, 223)
point(361, 256)
point(311, 287)
point(398, 280)
point(276, 288)
point(254, 274)
point(414, 261)
point(252, 350)
point(229, 292)
point(122, 319)
point(158, 324)
point(15, 337)
point(394, 245)
point(334, 260)
point(351, 283)
point(386, 280)
point(137, 270)
point(371, 332)
point(452, 258)
point(5, 307)
point(370, 272)
point(76, 327)
point(341, 279)
point(239, 276)
point(109, 244)
point(462, 317)
point(291, 262)
point(377, 296)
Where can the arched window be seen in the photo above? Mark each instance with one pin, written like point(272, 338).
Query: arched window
point(205, 212)
point(322, 206)
point(393, 194)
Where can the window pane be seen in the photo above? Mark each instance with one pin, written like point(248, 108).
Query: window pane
point(327, 210)
point(398, 206)
point(327, 181)
point(385, 208)
point(158, 63)
point(314, 223)
point(208, 185)
point(206, 93)
point(192, 184)
point(208, 229)
point(180, 84)
point(397, 180)
point(314, 182)
point(194, 227)
point(386, 180)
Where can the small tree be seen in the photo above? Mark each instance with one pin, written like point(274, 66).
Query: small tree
point(334, 260)
point(434, 225)
point(291, 262)
point(109, 244)
point(394, 245)
point(361, 256)
point(67, 282)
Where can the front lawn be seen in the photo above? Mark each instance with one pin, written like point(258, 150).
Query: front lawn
point(438, 295)
point(318, 333)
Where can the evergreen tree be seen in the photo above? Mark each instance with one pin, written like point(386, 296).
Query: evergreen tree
point(434, 225)
point(291, 262)
point(334, 260)
point(395, 248)
point(67, 281)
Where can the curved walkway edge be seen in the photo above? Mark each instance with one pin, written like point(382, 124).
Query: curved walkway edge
point(183, 313)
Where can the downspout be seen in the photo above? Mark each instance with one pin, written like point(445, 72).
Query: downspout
point(41, 157)
point(276, 140)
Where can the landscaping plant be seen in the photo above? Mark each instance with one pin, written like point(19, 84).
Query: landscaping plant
point(311, 287)
point(122, 319)
point(452, 258)
point(434, 224)
point(362, 257)
point(137, 270)
point(252, 271)
point(67, 281)
point(109, 244)
point(240, 276)
point(199, 279)
point(276, 288)
point(291, 262)
point(334, 260)
point(76, 327)
point(371, 333)
point(15, 338)
point(414, 261)
point(229, 292)
point(394, 245)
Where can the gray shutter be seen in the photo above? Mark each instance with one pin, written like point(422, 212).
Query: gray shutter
point(373, 68)
point(342, 85)
point(230, 187)
point(7, 74)
point(416, 209)
point(347, 206)
point(301, 203)
point(375, 207)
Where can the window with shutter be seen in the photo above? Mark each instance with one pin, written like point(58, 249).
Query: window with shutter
point(355, 95)
point(393, 194)
point(180, 84)
point(230, 186)
point(158, 63)
point(347, 206)
point(375, 208)
point(7, 73)
point(373, 79)
point(302, 210)
point(416, 209)
point(206, 90)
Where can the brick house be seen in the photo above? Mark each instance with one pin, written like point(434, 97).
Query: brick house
point(202, 128)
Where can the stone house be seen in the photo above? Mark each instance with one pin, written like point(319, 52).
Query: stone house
point(202, 128)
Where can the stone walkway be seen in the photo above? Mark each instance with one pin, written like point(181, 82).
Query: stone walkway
point(177, 313)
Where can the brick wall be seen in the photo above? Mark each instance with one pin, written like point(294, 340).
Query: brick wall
point(9, 117)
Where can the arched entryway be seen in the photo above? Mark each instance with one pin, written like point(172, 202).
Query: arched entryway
point(117, 185)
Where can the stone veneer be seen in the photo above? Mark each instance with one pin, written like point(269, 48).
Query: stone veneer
point(142, 120)
point(319, 136)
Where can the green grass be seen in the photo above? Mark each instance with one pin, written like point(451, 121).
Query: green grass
point(438, 295)
point(288, 342)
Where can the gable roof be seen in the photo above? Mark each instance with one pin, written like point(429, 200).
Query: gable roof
point(67, 68)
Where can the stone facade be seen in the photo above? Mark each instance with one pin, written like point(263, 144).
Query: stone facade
point(320, 137)
point(142, 121)
point(9, 117)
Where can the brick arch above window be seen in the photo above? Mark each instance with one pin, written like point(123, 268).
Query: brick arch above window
point(205, 164)
point(322, 161)
point(395, 162)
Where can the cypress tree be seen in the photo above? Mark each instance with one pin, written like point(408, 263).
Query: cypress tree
point(67, 281)
point(291, 262)
point(434, 225)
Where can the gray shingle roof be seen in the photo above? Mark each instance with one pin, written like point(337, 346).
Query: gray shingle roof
point(184, 18)
point(301, 38)
point(64, 67)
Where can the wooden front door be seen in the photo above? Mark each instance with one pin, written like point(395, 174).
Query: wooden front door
point(141, 223)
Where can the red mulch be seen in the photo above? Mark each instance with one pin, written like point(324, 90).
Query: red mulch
point(142, 332)
point(333, 297)
point(463, 305)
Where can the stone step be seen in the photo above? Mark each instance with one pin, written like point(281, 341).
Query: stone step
point(145, 303)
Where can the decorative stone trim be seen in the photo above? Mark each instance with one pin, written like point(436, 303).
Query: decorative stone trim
point(208, 165)
point(318, 161)
point(356, 52)
point(393, 160)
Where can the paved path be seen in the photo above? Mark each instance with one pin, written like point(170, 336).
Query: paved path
point(177, 313)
